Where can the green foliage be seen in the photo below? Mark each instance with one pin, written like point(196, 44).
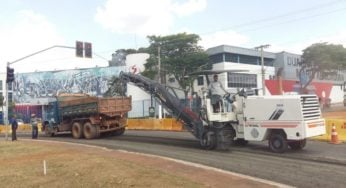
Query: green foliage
point(179, 54)
point(115, 88)
point(324, 58)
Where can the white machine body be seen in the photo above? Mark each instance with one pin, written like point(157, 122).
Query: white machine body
point(253, 117)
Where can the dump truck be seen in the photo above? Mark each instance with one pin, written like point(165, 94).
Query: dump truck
point(86, 116)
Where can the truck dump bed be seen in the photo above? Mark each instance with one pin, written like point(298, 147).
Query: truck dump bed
point(77, 104)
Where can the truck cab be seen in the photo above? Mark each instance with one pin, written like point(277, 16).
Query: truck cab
point(51, 118)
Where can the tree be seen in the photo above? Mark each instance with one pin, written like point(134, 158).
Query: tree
point(119, 57)
point(115, 87)
point(325, 59)
point(179, 54)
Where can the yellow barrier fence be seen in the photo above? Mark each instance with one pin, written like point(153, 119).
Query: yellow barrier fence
point(21, 128)
point(167, 124)
point(340, 125)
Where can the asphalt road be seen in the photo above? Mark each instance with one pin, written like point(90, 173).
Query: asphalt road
point(320, 164)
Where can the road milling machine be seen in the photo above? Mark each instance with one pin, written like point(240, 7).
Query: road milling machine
point(286, 121)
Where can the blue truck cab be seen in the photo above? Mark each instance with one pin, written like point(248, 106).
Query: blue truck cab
point(52, 118)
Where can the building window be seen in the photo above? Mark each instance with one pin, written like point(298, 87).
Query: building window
point(252, 60)
point(237, 80)
point(200, 81)
point(231, 57)
point(217, 58)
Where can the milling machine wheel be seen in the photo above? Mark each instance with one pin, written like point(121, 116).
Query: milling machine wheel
point(208, 140)
point(277, 143)
point(225, 137)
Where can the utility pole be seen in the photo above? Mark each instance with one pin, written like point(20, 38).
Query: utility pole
point(159, 73)
point(159, 62)
point(262, 65)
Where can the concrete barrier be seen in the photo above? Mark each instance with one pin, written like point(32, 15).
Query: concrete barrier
point(340, 125)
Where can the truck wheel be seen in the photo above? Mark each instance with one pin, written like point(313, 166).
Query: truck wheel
point(48, 133)
point(89, 130)
point(208, 140)
point(277, 143)
point(297, 145)
point(97, 129)
point(119, 132)
point(77, 130)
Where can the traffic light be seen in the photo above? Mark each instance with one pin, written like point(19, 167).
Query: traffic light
point(10, 75)
point(88, 49)
point(79, 49)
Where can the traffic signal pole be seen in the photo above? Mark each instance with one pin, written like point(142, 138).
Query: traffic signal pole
point(38, 52)
point(6, 106)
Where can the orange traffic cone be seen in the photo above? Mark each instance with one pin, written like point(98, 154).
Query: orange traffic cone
point(334, 138)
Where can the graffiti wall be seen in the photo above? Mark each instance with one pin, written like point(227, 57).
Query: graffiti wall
point(30, 87)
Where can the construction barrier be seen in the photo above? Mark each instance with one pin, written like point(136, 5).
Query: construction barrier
point(21, 128)
point(340, 128)
point(167, 124)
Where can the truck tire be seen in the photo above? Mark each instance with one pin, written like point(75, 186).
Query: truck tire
point(208, 140)
point(89, 130)
point(97, 129)
point(48, 133)
point(277, 143)
point(48, 130)
point(297, 145)
point(77, 130)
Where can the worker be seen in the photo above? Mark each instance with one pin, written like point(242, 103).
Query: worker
point(217, 91)
point(14, 126)
point(34, 126)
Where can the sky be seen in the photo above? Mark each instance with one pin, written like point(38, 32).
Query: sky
point(29, 26)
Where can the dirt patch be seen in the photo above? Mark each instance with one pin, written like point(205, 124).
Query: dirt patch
point(70, 165)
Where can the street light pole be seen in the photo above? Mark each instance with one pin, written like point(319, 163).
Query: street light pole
point(262, 67)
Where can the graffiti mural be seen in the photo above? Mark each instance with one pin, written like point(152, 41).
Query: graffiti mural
point(29, 87)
